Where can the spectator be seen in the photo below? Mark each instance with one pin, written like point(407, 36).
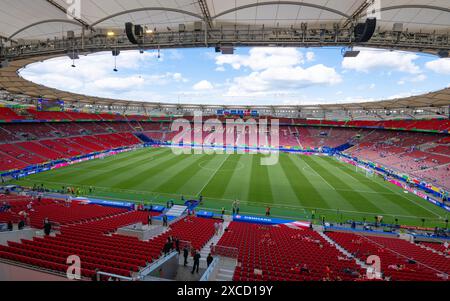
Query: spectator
point(304, 269)
point(185, 254)
point(10, 226)
point(221, 228)
point(165, 224)
point(150, 219)
point(167, 247)
point(177, 244)
point(268, 211)
point(209, 259)
point(21, 225)
point(196, 262)
point(47, 227)
point(216, 228)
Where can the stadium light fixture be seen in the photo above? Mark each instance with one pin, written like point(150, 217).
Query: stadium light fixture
point(149, 30)
point(443, 54)
point(110, 33)
point(349, 52)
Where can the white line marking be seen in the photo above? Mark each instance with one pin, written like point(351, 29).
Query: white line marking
point(212, 175)
point(283, 205)
point(319, 175)
point(387, 185)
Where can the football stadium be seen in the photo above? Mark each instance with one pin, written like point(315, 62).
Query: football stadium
point(212, 141)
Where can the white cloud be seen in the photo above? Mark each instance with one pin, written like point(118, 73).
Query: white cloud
point(220, 69)
point(310, 56)
point(441, 66)
point(203, 86)
point(262, 58)
point(370, 59)
point(276, 80)
point(119, 83)
point(94, 75)
point(412, 79)
point(275, 71)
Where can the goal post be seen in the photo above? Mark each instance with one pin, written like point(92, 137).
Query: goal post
point(368, 172)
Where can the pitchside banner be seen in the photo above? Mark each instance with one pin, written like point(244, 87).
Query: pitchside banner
point(269, 221)
point(420, 194)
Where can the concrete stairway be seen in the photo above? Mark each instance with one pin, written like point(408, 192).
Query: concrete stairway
point(225, 273)
point(204, 252)
point(176, 210)
point(342, 250)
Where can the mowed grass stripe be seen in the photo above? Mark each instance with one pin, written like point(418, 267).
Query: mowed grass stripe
point(415, 201)
point(189, 172)
point(327, 194)
point(76, 171)
point(260, 188)
point(409, 208)
point(384, 199)
point(306, 194)
point(217, 186)
point(356, 199)
point(165, 175)
point(207, 171)
point(284, 193)
point(239, 185)
point(144, 177)
point(118, 171)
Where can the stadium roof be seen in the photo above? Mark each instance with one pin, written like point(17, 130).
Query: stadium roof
point(42, 19)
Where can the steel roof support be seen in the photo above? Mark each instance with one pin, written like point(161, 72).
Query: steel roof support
point(321, 7)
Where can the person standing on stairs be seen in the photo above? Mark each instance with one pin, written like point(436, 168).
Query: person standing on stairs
point(185, 254)
point(209, 259)
point(196, 262)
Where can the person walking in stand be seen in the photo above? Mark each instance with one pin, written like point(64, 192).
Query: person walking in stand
point(185, 254)
point(209, 259)
point(196, 262)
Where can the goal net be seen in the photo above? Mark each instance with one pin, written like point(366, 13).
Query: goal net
point(368, 172)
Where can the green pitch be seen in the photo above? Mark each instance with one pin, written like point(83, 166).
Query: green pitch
point(299, 187)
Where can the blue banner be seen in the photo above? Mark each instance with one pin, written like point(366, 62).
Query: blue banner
point(260, 220)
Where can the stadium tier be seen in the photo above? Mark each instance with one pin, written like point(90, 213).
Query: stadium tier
point(86, 230)
point(269, 253)
point(285, 252)
point(420, 154)
point(400, 260)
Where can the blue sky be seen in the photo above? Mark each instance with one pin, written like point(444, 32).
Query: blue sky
point(250, 76)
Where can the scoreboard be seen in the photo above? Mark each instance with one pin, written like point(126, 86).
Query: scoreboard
point(50, 105)
point(238, 113)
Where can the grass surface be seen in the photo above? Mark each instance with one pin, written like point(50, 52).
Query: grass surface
point(294, 188)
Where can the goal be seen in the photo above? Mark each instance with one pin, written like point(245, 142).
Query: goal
point(365, 170)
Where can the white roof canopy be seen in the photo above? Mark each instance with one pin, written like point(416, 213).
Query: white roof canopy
point(42, 19)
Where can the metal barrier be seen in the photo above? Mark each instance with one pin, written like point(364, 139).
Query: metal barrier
point(114, 276)
point(211, 270)
point(152, 267)
point(225, 251)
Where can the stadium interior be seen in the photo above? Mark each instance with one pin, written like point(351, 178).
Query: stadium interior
point(360, 193)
